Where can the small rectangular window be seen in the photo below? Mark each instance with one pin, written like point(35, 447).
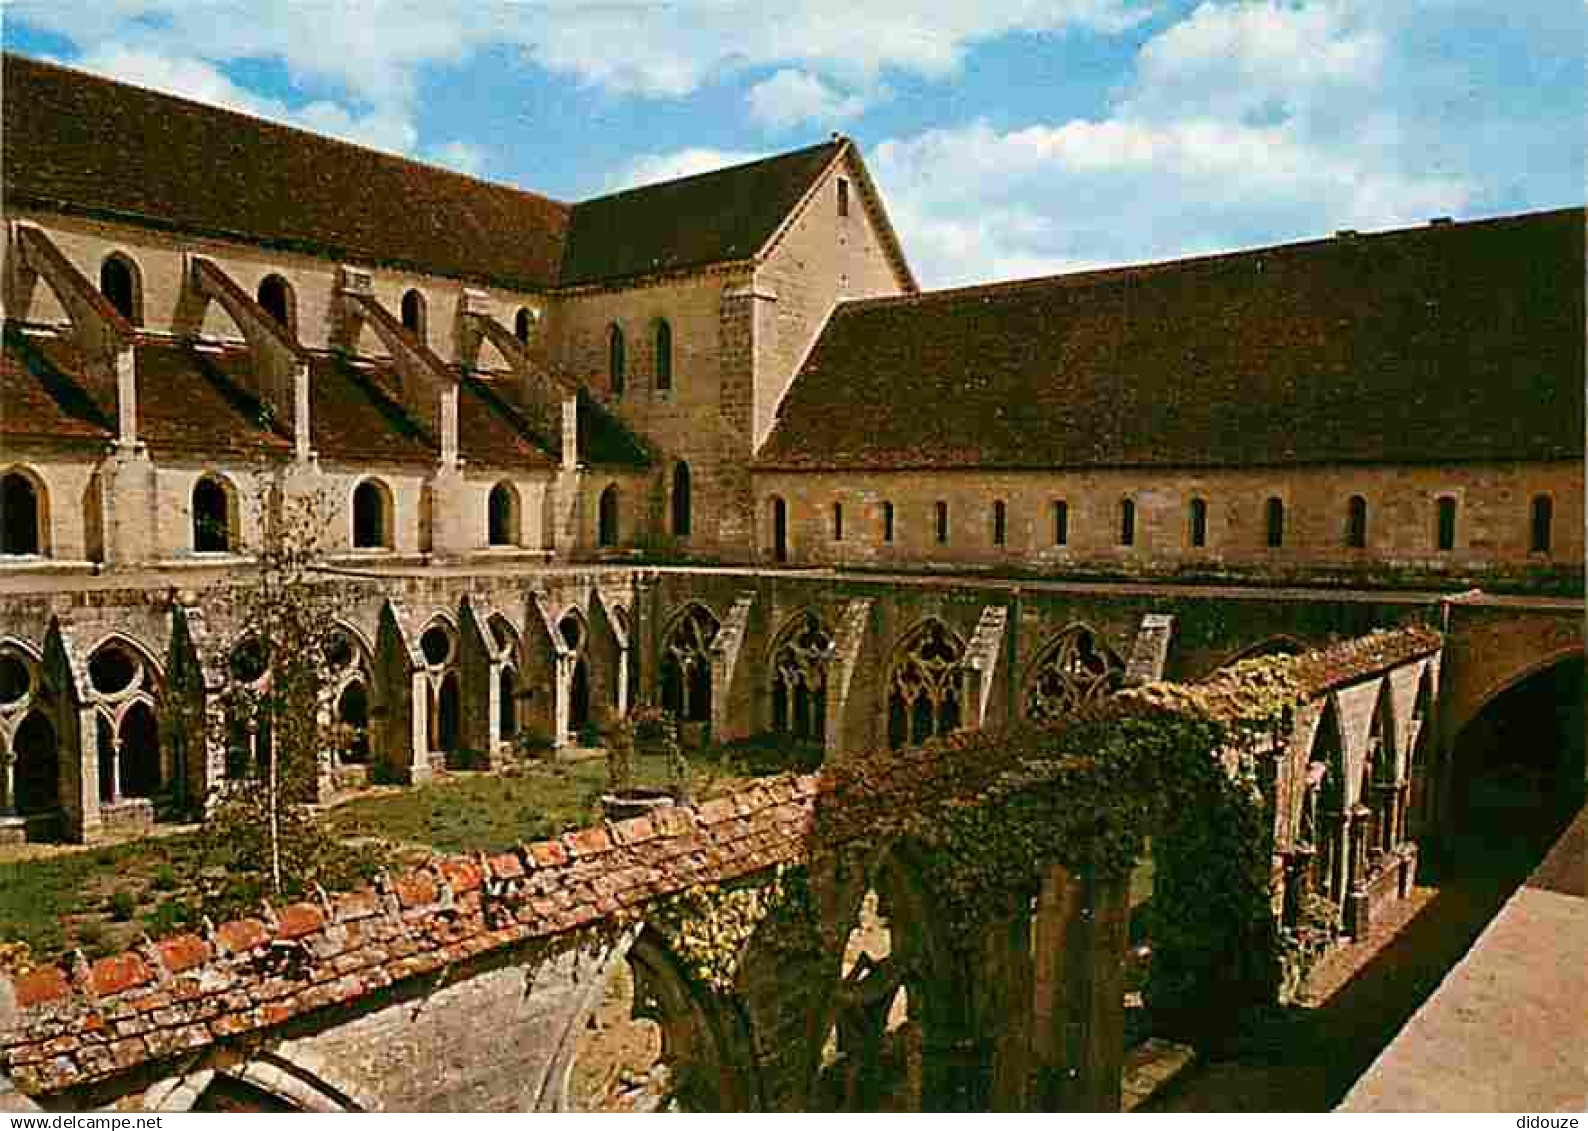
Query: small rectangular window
point(1199, 523)
point(838, 522)
point(1127, 522)
point(1000, 522)
point(1061, 523)
point(1543, 519)
point(942, 524)
point(843, 197)
point(1447, 523)
point(887, 522)
point(1276, 523)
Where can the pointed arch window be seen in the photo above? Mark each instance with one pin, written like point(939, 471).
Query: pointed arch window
point(617, 359)
point(799, 679)
point(121, 286)
point(1074, 670)
point(523, 325)
point(838, 522)
point(925, 686)
point(940, 520)
point(686, 665)
point(664, 354)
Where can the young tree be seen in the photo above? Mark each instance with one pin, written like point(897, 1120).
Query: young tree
point(272, 715)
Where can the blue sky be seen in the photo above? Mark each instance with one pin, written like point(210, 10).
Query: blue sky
point(1009, 137)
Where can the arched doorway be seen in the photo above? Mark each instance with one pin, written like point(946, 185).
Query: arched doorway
point(1515, 773)
point(448, 713)
point(35, 780)
point(352, 711)
point(140, 752)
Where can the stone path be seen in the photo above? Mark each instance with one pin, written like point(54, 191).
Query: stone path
point(1507, 1030)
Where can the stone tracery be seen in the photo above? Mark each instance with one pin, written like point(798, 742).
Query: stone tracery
point(1074, 670)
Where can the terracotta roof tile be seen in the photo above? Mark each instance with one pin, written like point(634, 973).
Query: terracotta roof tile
point(46, 392)
point(1440, 343)
point(77, 141)
point(713, 217)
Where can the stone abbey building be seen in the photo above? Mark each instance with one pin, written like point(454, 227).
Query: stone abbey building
point(518, 407)
point(707, 443)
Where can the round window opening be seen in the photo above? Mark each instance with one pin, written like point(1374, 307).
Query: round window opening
point(249, 661)
point(15, 680)
point(436, 645)
point(112, 670)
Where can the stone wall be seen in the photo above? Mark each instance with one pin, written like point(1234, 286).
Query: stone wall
point(1493, 527)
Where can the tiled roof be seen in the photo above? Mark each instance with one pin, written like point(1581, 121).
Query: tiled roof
point(81, 143)
point(1443, 343)
point(714, 217)
point(76, 141)
point(189, 402)
point(44, 393)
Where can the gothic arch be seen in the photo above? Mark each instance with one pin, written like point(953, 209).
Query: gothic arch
point(705, 1041)
point(924, 695)
point(685, 667)
point(797, 669)
point(1074, 668)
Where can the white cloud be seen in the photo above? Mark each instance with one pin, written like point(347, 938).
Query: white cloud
point(1247, 123)
point(459, 156)
point(649, 168)
point(375, 49)
point(791, 98)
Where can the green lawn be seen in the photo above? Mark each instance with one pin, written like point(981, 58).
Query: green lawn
point(101, 899)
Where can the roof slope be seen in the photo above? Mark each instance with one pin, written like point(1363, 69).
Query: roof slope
point(1447, 342)
point(713, 217)
point(84, 143)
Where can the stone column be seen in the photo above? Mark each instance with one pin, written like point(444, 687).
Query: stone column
point(8, 806)
point(1083, 927)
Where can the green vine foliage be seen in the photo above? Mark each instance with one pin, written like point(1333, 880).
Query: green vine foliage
point(1173, 764)
point(710, 927)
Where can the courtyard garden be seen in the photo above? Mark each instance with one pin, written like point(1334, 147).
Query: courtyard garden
point(59, 897)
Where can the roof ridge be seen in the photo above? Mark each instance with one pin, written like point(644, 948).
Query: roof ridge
point(11, 57)
point(721, 170)
point(1117, 272)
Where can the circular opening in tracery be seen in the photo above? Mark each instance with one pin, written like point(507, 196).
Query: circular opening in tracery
point(436, 645)
point(249, 661)
point(15, 680)
point(112, 670)
point(338, 650)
